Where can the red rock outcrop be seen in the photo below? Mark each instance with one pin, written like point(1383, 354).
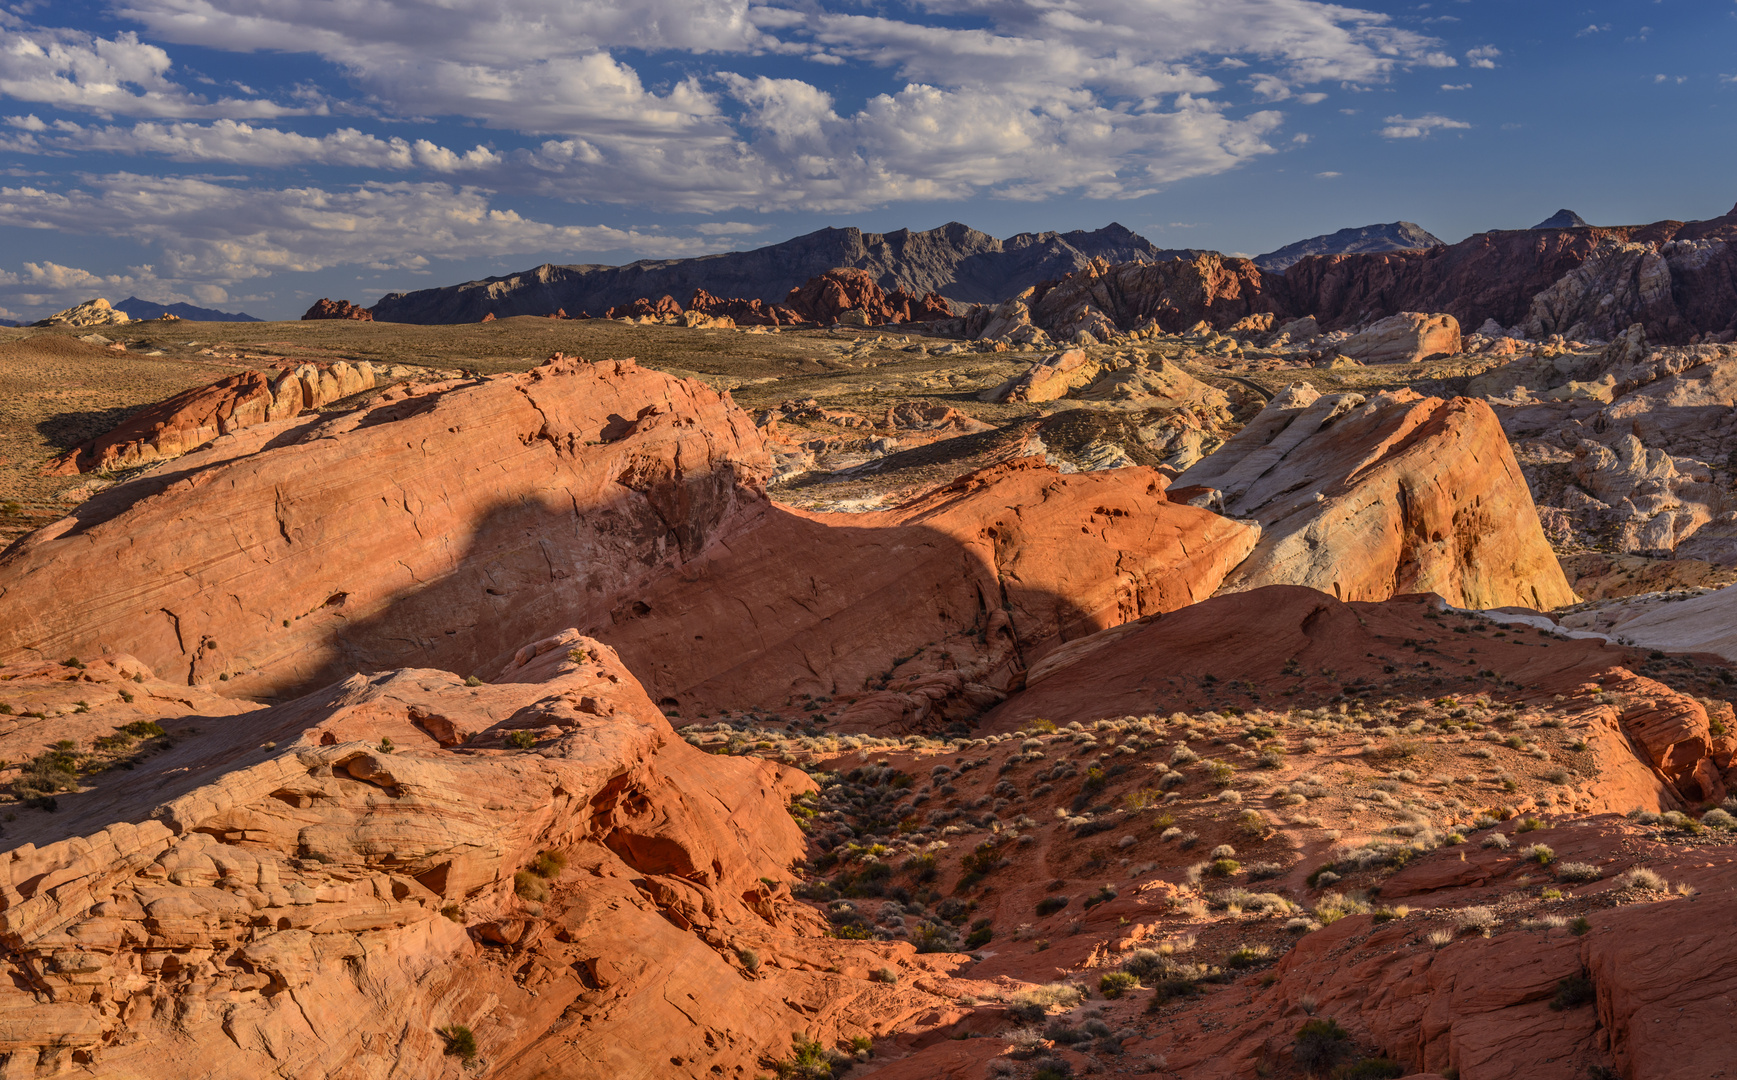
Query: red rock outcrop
point(342, 550)
point(1406, 338)
point(853, 296)
point(323, 904)
point(755, 312)
point(1277, 641)
point(1497, 275)
point(1366, 499)
point(665, 307)
point(1101, 299)
point(193, 418)
point(922, 614)
point(498, 510)
point(337, 309)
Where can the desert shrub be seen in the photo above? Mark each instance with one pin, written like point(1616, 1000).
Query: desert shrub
point(750, 960)
point(1718, 819)
point(1116, 983)
point(1333, 907)
point(1049, 905)
point(530, 887)
point(1497, 840)
point(1573, 992)
point(1220, 773)
point(1580, 925)
point(1538, 853)
point(1439, 937)
point(982, 933)
point(1475, 919)
point(47, 774)
point(460, 1042)
point(885, 975)
point(1103, 895)
point(808, 1060)
point(1032, 1005)
point(522, 739)
point(1247, 955)
point(549, 864)
point(1642, 878)
point(1224, 867)
point(1320, 1044)
point(930, 937)
point(1223, 851)
point(1397, 750)
point(1577, 871)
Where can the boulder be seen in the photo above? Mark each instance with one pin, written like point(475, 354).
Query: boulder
point(337, 309)
point(1405, 338)
point(1368, 498)
point(90, 313)
point(1047, 379)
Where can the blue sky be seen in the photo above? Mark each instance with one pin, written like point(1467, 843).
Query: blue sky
point(257, 154)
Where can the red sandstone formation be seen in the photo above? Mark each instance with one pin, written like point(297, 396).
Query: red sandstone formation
point(851, 295)
point(755, 312)
point(652, 533)
point(560, 493)
point(1173, 296)
point(490, 317)
point(923, 614)
point(337, 309)
point(1282, 638)
point(193, 418)
point(330, 900)
point(1366, 499)
point(1674, 278)
point(665, 308)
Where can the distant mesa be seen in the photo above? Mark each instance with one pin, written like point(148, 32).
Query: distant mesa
point(337, 309)
point(1563, 219)
point(1395, 236)
point(151, 309)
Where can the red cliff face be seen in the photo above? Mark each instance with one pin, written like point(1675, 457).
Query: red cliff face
point(337, 309)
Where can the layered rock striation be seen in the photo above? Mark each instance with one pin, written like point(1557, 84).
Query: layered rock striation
point(1367, 498)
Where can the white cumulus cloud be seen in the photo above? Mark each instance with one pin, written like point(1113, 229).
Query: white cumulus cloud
point(1401, 127)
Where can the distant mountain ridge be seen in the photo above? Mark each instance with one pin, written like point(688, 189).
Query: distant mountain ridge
point(150, 309)
point(1394, 236)
point(954, 260)
point(1564, 219)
